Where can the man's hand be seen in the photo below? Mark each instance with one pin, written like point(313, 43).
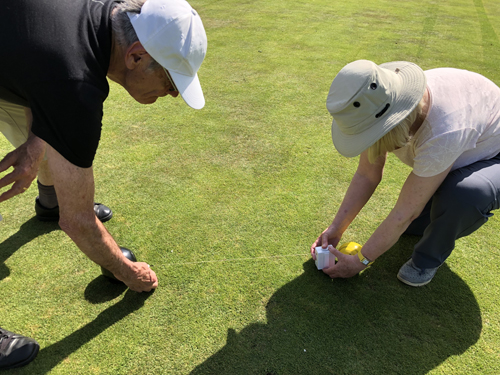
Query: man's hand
point(139, 277)
point(25, 160)
point(346, 266)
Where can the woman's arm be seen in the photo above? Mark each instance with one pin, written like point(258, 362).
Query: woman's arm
point(415, 194)
point(361, 188)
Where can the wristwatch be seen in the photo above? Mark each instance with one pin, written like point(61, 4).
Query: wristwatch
point(367, 262)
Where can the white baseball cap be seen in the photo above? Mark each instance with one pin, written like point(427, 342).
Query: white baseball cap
point(367, 101)
point(171, 31)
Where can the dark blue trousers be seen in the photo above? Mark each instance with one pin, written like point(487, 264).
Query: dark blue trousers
point(460, 206)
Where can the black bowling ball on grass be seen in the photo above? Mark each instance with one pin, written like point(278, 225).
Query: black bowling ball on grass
point(129, 255)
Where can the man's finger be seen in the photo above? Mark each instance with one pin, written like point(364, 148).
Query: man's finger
point(6, 162)
point(8, 179)
point(16, 189)
point(7, 195)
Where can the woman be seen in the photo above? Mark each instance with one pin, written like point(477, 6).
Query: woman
point(445, 124)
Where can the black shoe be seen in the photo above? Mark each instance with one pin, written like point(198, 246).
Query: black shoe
point(102, 212)
point(16, 350)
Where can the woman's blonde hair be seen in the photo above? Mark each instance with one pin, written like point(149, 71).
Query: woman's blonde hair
point(398, 137)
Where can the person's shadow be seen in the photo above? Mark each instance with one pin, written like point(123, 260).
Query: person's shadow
point(30, 230)
point(99, 290)
point(371, 323)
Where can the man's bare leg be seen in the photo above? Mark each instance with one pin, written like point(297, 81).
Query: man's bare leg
point(47, 205)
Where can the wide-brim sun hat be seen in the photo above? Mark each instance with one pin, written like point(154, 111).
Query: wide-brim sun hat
point(171, 31)
point(367, 101)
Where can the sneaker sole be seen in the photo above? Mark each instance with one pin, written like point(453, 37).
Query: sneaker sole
point(26, 361)
point(413, 284)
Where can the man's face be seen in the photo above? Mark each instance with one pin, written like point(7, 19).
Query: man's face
point(146, 85)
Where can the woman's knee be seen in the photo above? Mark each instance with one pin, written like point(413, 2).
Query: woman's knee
point(466, 195)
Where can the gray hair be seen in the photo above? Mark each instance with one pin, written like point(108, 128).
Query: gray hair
point(123, 30)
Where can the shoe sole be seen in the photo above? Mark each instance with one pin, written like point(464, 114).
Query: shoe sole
point(26, 361)
point(413, 284)
point(106, 218)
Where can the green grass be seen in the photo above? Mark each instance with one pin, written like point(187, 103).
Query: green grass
point(225, 202)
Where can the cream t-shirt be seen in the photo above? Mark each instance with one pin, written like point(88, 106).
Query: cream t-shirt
point(461, 127)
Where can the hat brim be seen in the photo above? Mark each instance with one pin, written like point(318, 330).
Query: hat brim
point(412, 87)
point(189, 88)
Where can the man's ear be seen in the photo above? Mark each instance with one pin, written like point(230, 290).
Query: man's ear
point(134, 55)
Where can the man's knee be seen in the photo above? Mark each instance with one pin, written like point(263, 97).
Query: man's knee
point(44, 175)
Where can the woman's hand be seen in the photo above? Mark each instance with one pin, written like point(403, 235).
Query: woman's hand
point(330, 236)
point(346, 265)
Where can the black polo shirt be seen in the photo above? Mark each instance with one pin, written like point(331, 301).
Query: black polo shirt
point(55, 57)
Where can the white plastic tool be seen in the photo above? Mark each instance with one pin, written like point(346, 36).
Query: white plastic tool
point(323, 258)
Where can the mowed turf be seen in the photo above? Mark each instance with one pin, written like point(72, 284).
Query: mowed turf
point(225, 203)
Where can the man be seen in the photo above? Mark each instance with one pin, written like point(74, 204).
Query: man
point(57, 56)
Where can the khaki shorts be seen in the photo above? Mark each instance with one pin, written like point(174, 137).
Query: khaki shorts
point(13, 123)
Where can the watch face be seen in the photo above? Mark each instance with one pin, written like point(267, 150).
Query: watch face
point(362, 259)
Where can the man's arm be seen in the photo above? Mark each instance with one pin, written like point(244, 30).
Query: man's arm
point(75, 193)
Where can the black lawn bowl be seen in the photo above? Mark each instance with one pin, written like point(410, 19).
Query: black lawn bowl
point(129, 255)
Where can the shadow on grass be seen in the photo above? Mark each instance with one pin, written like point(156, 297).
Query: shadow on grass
point(26, 233)
point(371, 323)
point(52, 355)
point(102, 290)
point(98, 291)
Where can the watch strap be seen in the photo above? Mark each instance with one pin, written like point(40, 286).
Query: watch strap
point(367, 262)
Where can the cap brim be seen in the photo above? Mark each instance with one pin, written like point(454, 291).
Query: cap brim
point(413, 83)
point(189, 88)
